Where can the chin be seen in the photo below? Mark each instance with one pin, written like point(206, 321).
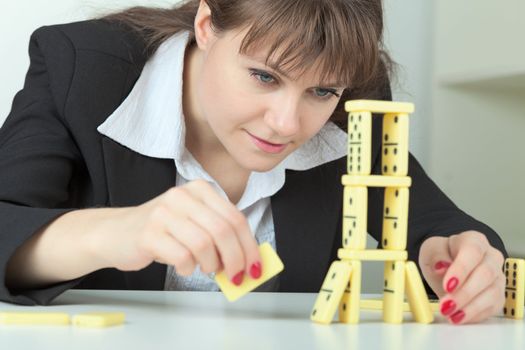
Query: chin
point(260, 166)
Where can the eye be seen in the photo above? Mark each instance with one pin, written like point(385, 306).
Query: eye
point(263, 77)
point(326, 92)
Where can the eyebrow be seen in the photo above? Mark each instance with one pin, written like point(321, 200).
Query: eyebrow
point(276, 68)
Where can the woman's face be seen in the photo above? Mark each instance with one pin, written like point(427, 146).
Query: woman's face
point(257, 114)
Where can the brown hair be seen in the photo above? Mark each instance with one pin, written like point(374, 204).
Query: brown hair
point(344, 35)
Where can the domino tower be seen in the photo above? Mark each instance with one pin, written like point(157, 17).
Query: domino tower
point(342, 285)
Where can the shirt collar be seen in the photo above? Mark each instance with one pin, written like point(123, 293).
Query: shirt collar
point(150, 120)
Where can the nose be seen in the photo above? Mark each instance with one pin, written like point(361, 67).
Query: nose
point(283, 116)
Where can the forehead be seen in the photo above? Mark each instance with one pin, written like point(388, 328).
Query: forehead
point(289, 63)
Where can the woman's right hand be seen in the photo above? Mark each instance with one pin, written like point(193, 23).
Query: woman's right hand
point(186, 226)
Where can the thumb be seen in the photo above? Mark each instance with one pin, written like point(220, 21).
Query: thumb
point(434, 260)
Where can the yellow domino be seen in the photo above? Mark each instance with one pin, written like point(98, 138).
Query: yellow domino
point(99, 319)
point(349, 305)
point(416, 295)
point(514, 288)
point(376, 181)
point(394, 291)
point(377, 304)
point(355, 205)
point(271, 266)
point(331, 292)
point(394, 154)
point(33, 318)
point(395, 218)
point(372, 255)
point(359, 143)
point(379, 106)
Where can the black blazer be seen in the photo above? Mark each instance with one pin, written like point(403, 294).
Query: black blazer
point(53, 160)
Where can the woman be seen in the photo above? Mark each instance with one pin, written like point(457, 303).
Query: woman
point(153, 147)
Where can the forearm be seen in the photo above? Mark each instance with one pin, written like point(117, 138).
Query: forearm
point(63, 250)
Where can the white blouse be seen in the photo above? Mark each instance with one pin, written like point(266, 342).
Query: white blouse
point(150, 121)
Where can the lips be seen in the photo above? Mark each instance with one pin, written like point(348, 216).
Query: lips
point(266, 146)
point(269, 143)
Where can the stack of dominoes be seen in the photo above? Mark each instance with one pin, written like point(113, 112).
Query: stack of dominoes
point(342, 285)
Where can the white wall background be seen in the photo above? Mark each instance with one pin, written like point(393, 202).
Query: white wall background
point(18, 19)
point(478, 99)
point(408, 37)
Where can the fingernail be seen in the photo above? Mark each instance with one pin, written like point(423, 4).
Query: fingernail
point(452, 284)
point(237, 279)
point(448, 307)
point(255, 270)
point(457, 317)
point(441, 265)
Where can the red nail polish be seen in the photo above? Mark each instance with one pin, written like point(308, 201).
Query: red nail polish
point(448, 307)
point(237, 279)
point(452, 284)
point(441, 265)
point(255, 270)
point(457, 317)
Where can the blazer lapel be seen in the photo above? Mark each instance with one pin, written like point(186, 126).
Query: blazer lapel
point(133, 179)
point(305, 214)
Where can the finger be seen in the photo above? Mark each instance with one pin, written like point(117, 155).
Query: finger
point(190, 235)
point(487, 303)
point(434, 260)
point(468, 251)
point(483, 276)
point(252, 262)
point(221, 235)
point(165, 249)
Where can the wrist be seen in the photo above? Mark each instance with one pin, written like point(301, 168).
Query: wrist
point(101, 239)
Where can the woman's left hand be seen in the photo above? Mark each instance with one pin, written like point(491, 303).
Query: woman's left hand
point(465, 272)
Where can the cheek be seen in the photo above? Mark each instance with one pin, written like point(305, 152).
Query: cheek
point(314, 120)
point(223, 98)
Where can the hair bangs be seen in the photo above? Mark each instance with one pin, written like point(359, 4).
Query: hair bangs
point(338, 44)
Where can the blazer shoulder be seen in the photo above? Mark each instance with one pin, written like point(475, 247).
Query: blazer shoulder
point(86, 61)
point(99, 35)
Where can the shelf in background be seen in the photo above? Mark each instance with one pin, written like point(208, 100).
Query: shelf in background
point(503, 78)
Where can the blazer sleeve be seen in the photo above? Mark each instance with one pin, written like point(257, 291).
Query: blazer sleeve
point(432, 213)
point(37, 157)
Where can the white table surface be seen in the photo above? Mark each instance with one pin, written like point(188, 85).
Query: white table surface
point(206, 320)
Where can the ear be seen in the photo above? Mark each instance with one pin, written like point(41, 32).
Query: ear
point(204, 35)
